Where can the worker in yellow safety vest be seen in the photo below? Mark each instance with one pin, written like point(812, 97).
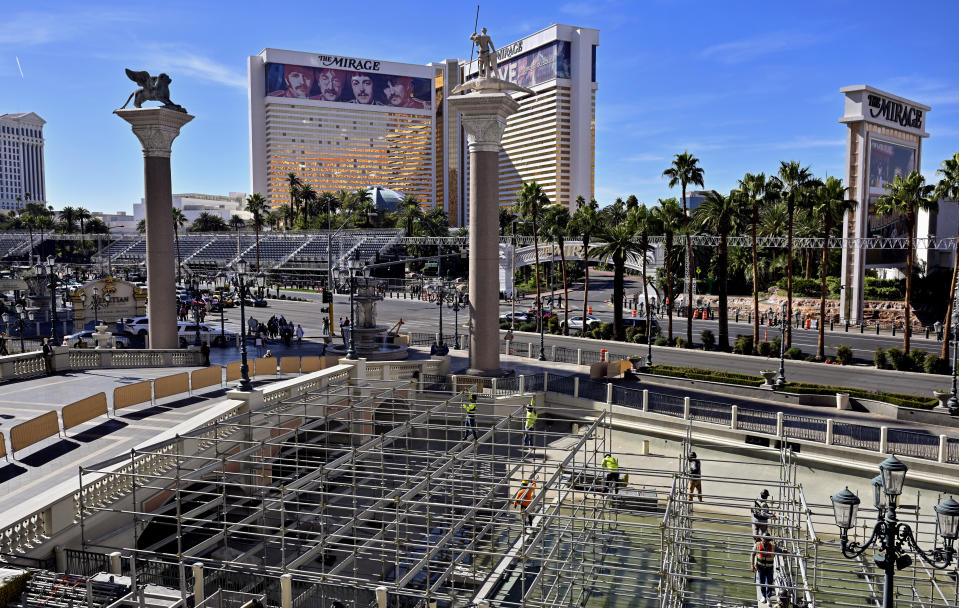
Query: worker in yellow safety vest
point(469, 423)
point(530, 424)
point(611, 466)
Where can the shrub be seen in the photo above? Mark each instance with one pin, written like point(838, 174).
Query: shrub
point(844, 354)
point(765, 349)
point(709, 340)
point(879, 359)
point(631, 333)
point(661, 342)
point(552, 325)
point(936, 365)
point(794, 353)
point(807, 288)
point(777, 344)
point(639, 338)
point(680, 343)
point(604, 331)
point(743, 345)
point(917, 359)
point(898, 359)
point(526, 326)
point(503, 324)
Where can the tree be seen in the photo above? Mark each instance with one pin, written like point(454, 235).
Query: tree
point(753, 188)
point(720, 215)
point(308, 199)
point(294, 186)
point(556, 225)
point(645, 222)
point(830, 205)
point(142, 226)
point(209, 222)
point(68, 217)
point(179, 221)
point(794, 181)
point(907, 197)
point(97, 226)
point(256, 205)
point(531, 202)
point(586, 223)
point(671, 219)
point(618, 246)
point(237, 223)
point(411, 214)
point(948, 187)
point(359, 206)
point(685, 170)
point(326, 203)
point(82, 215)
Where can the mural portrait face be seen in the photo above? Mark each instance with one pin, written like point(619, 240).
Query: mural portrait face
point(331, 84)
point(362, 85)
point(298, 80)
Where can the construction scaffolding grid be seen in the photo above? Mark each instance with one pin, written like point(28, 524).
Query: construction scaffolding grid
point(346, 488)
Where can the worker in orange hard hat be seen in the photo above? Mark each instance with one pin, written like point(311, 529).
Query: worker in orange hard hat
point(524, 497)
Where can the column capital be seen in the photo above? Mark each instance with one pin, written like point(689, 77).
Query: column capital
point(156, 128)
point(484, 118)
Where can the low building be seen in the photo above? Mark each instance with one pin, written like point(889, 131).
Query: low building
point(119, 222)
point(192, 205)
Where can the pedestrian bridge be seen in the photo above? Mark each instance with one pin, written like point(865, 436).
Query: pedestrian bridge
point(573, 250)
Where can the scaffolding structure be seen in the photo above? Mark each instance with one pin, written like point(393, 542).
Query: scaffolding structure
point(329, 495)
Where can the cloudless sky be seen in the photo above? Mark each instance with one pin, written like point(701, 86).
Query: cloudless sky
point(742, 85)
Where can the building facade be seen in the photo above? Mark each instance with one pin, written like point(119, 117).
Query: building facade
point(193, 204)
point(340, 123)
point(22, 176)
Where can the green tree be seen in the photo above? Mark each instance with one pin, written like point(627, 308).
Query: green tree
point(294, 184)
point(97, 226)
point(530, 203)
point(142, 226)
point(237, 223)
point(179, 221)
point(209, 222)
point(411, 214)
point(257, 207)
point(586, 222)
point(556, 226)
point(646, 222)
point(829, 206)
point(753, 188)
point(308, 198)
point(948, 187)
point(618, 245)
point(795, 182)
point(68, 218)
point(720, 215)
point(907, 197)
point(506, 217)
point(685, 170)
point(671, 219)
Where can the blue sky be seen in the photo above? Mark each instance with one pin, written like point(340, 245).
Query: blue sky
point(742, 85)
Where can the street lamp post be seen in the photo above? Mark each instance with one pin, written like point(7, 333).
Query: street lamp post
point(197, 302)
point(781, 379)
point(891, 537)
point(242, 270)
point(350, 274)
point(953, 402)
point(453, 301)
point(219, 282)
point(542, 323)
point(97, 302)
point(512, 316)
point(49, 270)
point(17, 320)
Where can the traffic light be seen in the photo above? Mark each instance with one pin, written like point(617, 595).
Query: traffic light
point(327, 296)
point(325, 309)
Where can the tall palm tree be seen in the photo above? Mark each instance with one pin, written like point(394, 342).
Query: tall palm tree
point(685, 170)
point(68, 215)
point(256, 205)
point(908, 196)
point(720, 215)
point(556, 228)
point(795, 182)
point(948, 187)
point(308, 198)
point(411, 214)
point(360, 206)
point(530, 202)
point(326, 202)
point(586, 222)
point(670, 218)
point(237, 223)
point(618, 245)
point(293, 184)
point(753, 188)
point(830, 205)
point(645, 222)
point(179, 221)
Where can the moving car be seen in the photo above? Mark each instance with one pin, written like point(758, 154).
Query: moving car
point(577, 322)
point(186, 333)
point(87, 335)
point(520, 317)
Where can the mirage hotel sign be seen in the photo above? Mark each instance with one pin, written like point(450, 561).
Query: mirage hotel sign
point(894, 111)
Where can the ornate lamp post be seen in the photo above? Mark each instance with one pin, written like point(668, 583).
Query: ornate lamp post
point(195, 308)
point(542, 323)
point(96, 302)
point(440, 301)
point(891, 537)
point(220, 282)
point(350, 274)
point(953, 402)
point(48, 269)
point(17, 320)
point(781, 379)
point(242, 277)
point(453, 301)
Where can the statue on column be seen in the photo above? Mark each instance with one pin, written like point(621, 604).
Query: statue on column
point(486, 62)
point(152, 88)
point(486, 78)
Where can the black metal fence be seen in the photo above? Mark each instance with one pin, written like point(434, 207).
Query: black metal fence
point(856, 436)
point(804, 427)
point(911, 443)
point(86, 563)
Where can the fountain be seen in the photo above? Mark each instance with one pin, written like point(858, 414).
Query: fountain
point(370, 338)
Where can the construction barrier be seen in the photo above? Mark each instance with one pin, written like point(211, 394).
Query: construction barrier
point(264, 366)
point(3, 447)
point(171, 385)
point(615, 368)
point(597, 370)
point(463, 382)
point(32, 431)
point(209, 376)
point(233, 371)
point(80, 411)
point(289, 365)
point(131, 394)
point(310, 364)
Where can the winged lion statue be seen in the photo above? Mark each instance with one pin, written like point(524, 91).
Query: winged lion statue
point(152, 88)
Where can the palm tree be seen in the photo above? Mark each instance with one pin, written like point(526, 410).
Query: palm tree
point(795, 181)
point(753, 188)
point(645, 222)
point(82, 215)
point(179, 221)
point(326, 202)
point(685, 170)
point(907, 197)
point(359, 205)
point(308, 198)
point(586, 222)
point(618, 246)
point(830, 206)
point(948, 187)
point(294, 186)
point(411, 214)
point(142, 226)
point(530, 202)
point(68, 215)
point(256, 205)
point(237, 223)
point(556, 226)
point(209, 222)
point(670, 218)
point(720, 215)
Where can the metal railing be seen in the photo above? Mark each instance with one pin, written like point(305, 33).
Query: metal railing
point(804, 427)
point(670, 405)
point(911, 443)
point(758, 421)
point(707, 411)
point(856, 436)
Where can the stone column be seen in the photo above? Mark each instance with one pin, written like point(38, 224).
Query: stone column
point(156, 128)
point(484, 120)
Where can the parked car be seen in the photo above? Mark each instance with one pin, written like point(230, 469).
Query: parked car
point(87, 335)
point(520, 317)
point(577, 322)
point(186, 332)
point(136, 326)
point(638, 322)
point(255, 302)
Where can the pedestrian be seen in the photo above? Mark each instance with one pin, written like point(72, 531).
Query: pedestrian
point(205, 351)
point(345, 327)
point(268, 354)
point(523, 499)
point(761, 515)
point(299, 335)
point(611, 466)
point(469, 422)
point(434, 349)
point(785, 599)
point(530, 424)
point(763, 563)
point(48, 356)
point(326, 326)
point(3, 344)
point(287, 336)
point(258, 342)
point(695, 476)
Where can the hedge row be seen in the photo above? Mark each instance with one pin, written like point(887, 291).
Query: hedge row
point(695, 373)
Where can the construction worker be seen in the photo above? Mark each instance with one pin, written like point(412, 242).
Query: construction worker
point(530, 424)
point(611, 466)
point(763, 562)
point(761, 515)
point(695, 476)
point(469, 423)
point(785, 599)
point(524, 497)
